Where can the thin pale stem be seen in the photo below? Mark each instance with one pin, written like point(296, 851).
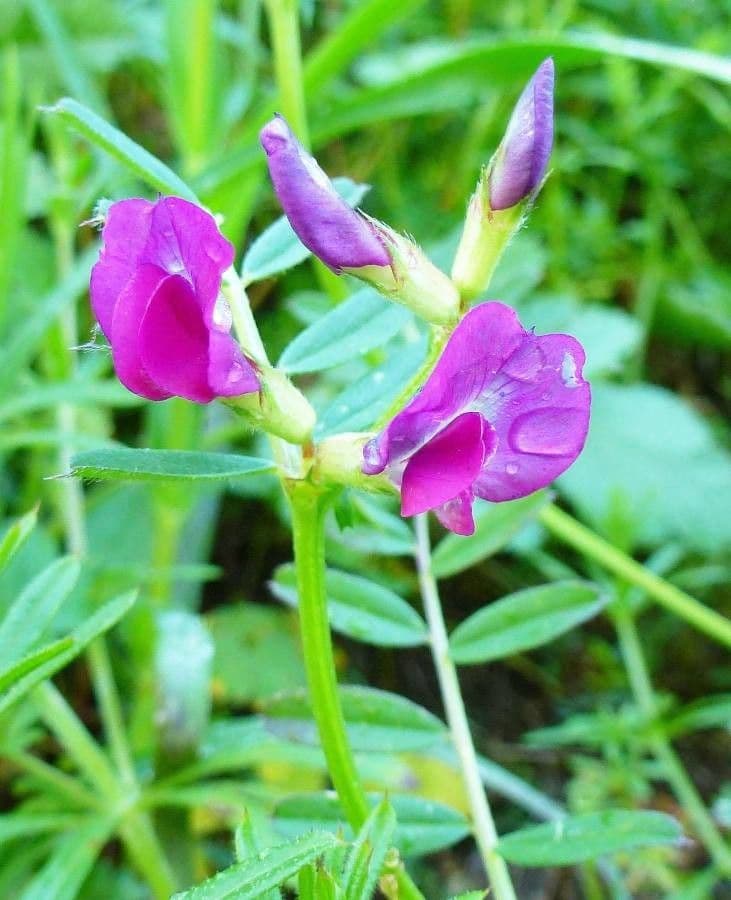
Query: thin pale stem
point(288, 456)
point(677, 777)
point(482, 820)
point(583, 539)
point(242, 316)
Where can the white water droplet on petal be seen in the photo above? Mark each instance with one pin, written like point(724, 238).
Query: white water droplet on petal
point(550, 431)
point(222, 315)
point(512, 469)
point(236, 373)
point(568, 370)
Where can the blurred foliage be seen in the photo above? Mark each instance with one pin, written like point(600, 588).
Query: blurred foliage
point(628, 248)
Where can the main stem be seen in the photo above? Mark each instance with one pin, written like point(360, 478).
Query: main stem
point(482, 820)
point(308, 532)
point(677, 777)
point(309, 506)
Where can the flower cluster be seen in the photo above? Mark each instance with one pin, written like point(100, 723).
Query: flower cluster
point(503, 412)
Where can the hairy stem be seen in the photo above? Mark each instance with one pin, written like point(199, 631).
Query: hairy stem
point(482, 820)
point(308, 531)
point(309, 506)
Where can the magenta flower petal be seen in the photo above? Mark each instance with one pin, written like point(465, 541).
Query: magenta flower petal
point(528, 393)
point(125, 234)
point(174, 321)
point(521, 160)
point(323, 221)
point(447, 464)
point(155, 291)
point(129, 310)
point(184, 239)
point(478, 347)
point(230, 373)
point(456, 514)
point(543, 418)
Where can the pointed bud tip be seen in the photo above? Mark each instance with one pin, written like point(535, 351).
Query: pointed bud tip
point(275, 134)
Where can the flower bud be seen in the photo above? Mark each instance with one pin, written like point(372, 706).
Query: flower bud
point(323, 221)
point(348, 241)
point(507, 186)
point(518, 167)
point(279, 408)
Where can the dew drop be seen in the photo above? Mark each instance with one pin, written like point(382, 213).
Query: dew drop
point(548, 432)
point(568, 370)
point(512, 469)
point(236, 373)
point(222, 315)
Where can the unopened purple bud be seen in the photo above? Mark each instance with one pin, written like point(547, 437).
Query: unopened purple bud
point(521, 159)
point(340, 236)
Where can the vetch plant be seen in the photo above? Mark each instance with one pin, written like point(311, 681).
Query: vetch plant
point(468, 413)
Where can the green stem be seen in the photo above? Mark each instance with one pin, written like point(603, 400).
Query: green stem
point(675, 773)
point(581, 538)
point(283, 16)
point(144, 849)
point(308, 532)
point(482, 821)
point(61, 719)
point(55, 780)
point(309, 506)
point(111, 711)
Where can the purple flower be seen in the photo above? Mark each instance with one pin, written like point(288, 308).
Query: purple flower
point(521, 159)
point(503, 413)
point(155, 293)
point(323, 221)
